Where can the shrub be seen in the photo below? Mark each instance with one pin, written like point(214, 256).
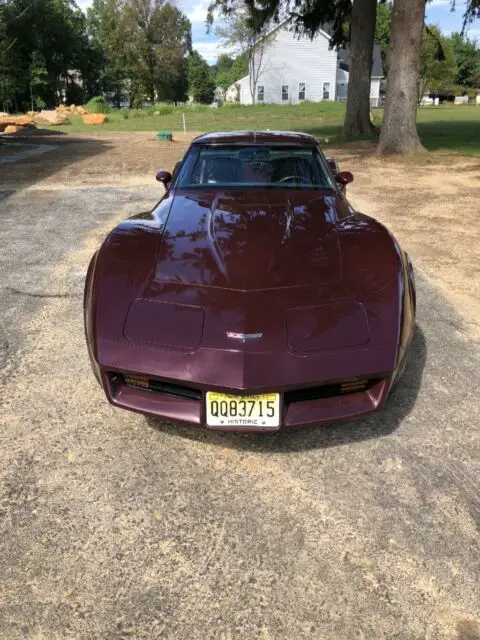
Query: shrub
point(97, 105)
point(163, 109)
point(124, 113)
point(200, 108)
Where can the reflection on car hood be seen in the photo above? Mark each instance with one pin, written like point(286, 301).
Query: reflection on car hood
point(251, 240)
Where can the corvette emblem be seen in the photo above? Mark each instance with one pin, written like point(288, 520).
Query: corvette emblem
point(244, 337)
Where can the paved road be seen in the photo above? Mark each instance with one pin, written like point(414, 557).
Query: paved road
point(114, 526)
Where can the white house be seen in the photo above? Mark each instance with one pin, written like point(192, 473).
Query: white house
point(232, 94)
point(219, 94)
point(294, 69)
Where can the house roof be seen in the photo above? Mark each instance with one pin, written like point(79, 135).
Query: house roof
point(343, 54)
point(377, 66)
point(283, 23)
point(236, 83)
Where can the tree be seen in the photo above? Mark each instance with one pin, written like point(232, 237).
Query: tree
point(200, 82)
point(357, 116)
point(106, 30)
point(248, 37)
point(50, 34)
point(472, 11)
point(224, 63)
point(222, 71)
point(437, 70)
point(382, 31)
point(467, 57)
point(38, 81)
point(158, 37)
point(399, 129)
point(239, 67)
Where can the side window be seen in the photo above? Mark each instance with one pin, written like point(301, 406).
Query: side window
point(326, 90)
point(301, 90)
point(260, 93)
point(285, 93)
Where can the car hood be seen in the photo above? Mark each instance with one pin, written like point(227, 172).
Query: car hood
point(176, 291)
point(251, 240)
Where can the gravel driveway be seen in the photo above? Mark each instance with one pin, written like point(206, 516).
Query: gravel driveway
point(115, 526)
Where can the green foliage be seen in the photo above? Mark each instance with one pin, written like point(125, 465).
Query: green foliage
point(460, 52)
point(163, 109)
point(382, 31)
point(157, 38)
point(197, 108)
point(39, 84)
point(97, 105)
point(200, 83)
point(44, 51)
point(106, 32)
point(438, 66)
point(143, 45)
point(239, 67)
point(221, 71)
point(467, 55)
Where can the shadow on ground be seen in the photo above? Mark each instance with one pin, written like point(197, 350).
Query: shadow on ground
point(31, 169)
point(451, 135)
point(375, 425)
point(455, 136)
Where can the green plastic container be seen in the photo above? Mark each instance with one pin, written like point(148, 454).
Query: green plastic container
point(164, 135)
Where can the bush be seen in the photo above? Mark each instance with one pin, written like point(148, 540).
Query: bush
point(124, 113)
point(199, 108)
point(163, 109)
point(97, 105)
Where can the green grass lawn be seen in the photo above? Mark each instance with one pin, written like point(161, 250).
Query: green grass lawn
point(451, 129)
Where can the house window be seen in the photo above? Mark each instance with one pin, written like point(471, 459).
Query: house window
point(260, 93)
point(284, 92)
point(326, 91)
point(301, 90)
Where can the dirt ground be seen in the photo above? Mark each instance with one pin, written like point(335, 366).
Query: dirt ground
point(114, 526)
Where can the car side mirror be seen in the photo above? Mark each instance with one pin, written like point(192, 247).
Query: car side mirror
point(165, 177)
point(344, 178)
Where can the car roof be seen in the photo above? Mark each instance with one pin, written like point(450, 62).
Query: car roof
point(256, 137)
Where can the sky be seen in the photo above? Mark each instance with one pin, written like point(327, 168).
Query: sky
point(438, 12)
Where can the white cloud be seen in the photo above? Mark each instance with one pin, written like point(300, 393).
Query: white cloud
point(210, 50)
point(198, 13)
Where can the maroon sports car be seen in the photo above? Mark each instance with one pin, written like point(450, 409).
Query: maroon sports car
point(253, 297)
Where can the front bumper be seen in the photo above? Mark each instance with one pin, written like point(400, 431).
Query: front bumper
point(297, 410)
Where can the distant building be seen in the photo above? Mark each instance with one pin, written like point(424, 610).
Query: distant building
point(219, 94)
point(232, 94)
point(296, 69)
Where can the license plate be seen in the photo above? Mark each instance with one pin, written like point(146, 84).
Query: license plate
point(260, 411)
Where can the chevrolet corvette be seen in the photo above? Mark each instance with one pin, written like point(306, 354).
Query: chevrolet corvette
point(253, 296)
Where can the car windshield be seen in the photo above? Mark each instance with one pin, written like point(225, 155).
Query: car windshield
point(255, 166)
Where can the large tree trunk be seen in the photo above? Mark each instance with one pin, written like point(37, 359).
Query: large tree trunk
point(399, 128)
point(357, 117)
